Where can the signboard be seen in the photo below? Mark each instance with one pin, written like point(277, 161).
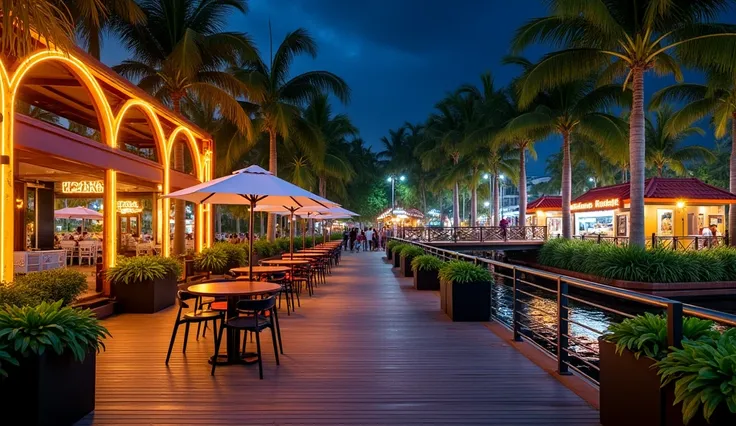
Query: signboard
point(129, 207)
point(83, 187)
point(608, 204)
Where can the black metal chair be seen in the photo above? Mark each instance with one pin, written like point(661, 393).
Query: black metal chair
point(253, 316)
point(196, 316)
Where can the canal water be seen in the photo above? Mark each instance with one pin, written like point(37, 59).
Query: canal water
point(589, 314)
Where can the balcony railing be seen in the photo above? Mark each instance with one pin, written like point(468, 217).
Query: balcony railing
point(687, 242)
point(545, 309)
point(473, 233)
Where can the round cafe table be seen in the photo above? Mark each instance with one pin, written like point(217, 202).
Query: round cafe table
point(233, 290)
point(260, 270)
point(290, 262)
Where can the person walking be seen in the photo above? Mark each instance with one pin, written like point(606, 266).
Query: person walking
point(375, 239)
point(345, 236)
point(369, 238)
point(504, 224)
point(353, 236)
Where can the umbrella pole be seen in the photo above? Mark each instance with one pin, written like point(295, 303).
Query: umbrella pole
point(250, 239)
point(291, 233)
point(311, 221)
point(304, 234)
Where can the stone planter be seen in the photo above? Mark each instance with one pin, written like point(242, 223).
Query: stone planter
point(397, 259)
point(466, 301)
point(627, 386)
point(145, 297)
point(48, 390)
point(426, 280)
point(405, 266)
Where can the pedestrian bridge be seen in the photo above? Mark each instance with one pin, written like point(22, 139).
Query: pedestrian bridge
point(477, 237)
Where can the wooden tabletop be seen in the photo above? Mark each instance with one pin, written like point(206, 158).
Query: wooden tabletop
point(287, 255)
point(285, 262)
point(233, 288)
point(259, 269)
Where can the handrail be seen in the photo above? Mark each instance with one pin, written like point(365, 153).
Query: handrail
point(564, 353)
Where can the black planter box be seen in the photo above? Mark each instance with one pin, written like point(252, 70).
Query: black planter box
point(466, 301)
point(627, 386)
point(48, 390)
point(405, 265)
point(389, 255)
point(397, 259)
point(145, 297)
point(426, 280)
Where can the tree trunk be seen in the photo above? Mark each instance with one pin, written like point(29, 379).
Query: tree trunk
point(566, 187)
point(322, 187)
point(474, 202)
point(496, 202)
point(522, 185)
point(732, 183)
point(637, 143)
point(218, 218)
point(179, 246)
point(660, 168)
point(273, 168)
point(262, 224)
point(424, 198)
point(455, 199)
point(237, 225)
point(442, 222)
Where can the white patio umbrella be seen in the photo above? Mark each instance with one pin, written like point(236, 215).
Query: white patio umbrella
point(304, 212)
point(334, 213)
point(251, 186)
point(77, 213)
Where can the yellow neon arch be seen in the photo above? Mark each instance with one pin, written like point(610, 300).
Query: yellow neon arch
point(199, 167)
point(6, 187)
point(159, 135)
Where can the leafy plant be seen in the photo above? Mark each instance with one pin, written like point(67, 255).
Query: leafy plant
point(142, 268)
point(397, 248)
point(265, 248)
point(459, 272)
point(426, 262)
point(50, 326)
point(391, 244)
point(236, 254)
point(5, 357)
point(647, 334)
point(56, 284)
point(704, 373)
point(410, 251)
point(212, 259)
point(174, 267)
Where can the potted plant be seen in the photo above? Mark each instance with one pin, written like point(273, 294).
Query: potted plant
point(426, 269)
point(703, 373)
point(628, 380)
point(389, 249)
point(235, 254)
point(49, 356)
point(465, 291)
point(408, 253)
point(396, 254)
point(144, 284)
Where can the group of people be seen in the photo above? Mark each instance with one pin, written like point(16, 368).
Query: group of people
point(367, 239)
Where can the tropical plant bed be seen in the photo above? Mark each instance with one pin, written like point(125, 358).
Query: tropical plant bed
point(145, 284)
point(465, 291)
point(51, 389)
point(712, 288)
point(408, 253)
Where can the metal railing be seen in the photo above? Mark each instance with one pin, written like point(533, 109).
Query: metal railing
point(685, 242)
point(540, 307)
point(473, 233)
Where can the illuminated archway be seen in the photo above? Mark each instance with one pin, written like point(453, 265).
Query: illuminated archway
point(199, 169)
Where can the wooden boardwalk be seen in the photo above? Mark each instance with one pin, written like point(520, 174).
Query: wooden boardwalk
point(367, 349)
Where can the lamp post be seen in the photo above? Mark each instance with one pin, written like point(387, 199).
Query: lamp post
point(392, 179)
point(501, 179)
point(593, 181)
point(489, 204)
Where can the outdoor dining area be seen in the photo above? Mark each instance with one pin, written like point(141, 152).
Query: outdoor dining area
point(248, 299)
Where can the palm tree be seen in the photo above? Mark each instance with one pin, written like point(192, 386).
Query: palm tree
point(665, 150)
point(179, 56)
point(279, 96)
point(716, 97)
point(625, 38)
point(571, 110)
point(397, 152)
point(503, 162)
point(95, 17)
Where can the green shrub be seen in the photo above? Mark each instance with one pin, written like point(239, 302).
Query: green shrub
point(391, 244)
point(632, 263)
point(459, 271)
point(410, 251)
point(265, 248)
point(283, 244)
point(397, 248)
point(11, 294)
point(56, 284)
point(143, 268)
point(33, 330)
point(211, 259)
point(704, 373)
point(426, 262)
point(236, 254)
point(647, 334)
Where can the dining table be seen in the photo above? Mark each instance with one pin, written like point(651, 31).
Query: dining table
point(233, 290)
point(260, 270)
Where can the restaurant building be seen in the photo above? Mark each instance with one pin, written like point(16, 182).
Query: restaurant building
point(72, 127)
point(400, 217)
point(546, 211)
point(672, 207)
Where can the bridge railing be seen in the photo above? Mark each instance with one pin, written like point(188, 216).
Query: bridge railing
point(473, 233)
point(544, 309)
point(685, 242)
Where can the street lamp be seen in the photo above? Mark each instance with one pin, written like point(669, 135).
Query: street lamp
point(593, 181)
point(501, 179)
point(392, 179)
point(487, 176)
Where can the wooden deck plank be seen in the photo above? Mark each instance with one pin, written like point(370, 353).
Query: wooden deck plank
point(366, 349)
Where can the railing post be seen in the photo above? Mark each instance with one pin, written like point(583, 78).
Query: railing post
point(516, 317)
point(654, 240)
point(599, 238)
point(674, 324)
point(481, 234)
point(674, 242)
point(696, 243)
point(562, 328)
point(454, 233)
point(726, 237)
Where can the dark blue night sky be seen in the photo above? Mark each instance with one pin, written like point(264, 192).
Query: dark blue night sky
point(400, 56)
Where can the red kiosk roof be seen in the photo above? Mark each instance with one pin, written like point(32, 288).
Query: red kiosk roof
point(545, 202)
point(663, 189)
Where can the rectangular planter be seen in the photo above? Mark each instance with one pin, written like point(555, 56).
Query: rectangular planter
point(145, 297)
point(389, 254)
point(628, 385)
point(466, 301)
point(426, 280)
point(405, 266)
point(48, 390)
point(397, 259)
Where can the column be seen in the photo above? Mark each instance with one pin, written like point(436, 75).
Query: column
point(109, 223)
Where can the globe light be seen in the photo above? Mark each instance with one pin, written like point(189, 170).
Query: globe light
point(502, 177)
point(402, 178)
point(590, 179)
point(389, 179)
point(486, 176)
point(486, 204)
